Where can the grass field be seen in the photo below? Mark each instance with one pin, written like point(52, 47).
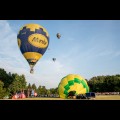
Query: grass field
point(108, 97)
point(100, 97)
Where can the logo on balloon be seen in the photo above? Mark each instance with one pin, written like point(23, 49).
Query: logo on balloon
point(38, 40)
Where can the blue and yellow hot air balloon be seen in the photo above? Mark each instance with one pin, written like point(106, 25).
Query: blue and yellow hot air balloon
point(33, 41)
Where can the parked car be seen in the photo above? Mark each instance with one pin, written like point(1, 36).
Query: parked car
point(86, 95)
point(90, 95)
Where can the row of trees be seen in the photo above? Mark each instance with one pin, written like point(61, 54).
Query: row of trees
point(41, 90)
point(105, 83)
point(12, 83)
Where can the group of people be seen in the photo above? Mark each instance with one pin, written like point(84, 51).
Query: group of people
point(24, 94)
point(19, 96)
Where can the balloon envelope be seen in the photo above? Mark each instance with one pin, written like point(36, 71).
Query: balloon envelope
point(54, 59)
point(72, 82)
point(58, 35)
point(33, 41)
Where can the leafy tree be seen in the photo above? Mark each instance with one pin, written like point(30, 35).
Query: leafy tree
point(29, 86)
point(48, 92)
point(2, 90)
point(105, 83)
point(23, 82)
point(39, 90)
point(34, 87)
point(42, 90)
point(6, 78)
point(18, 84)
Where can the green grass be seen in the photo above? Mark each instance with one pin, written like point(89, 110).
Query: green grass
point(108, 97)
point(100, 97)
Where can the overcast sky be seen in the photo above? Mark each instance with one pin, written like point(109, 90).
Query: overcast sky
point(87, 47)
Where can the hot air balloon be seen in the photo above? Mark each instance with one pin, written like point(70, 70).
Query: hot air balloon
point(54, 59)
point(58, 35)
point(33, 41)
point(72, 82)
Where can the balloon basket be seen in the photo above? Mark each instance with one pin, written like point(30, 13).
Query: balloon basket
point(31, 71)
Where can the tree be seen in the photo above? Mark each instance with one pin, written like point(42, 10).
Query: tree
point(39, 90)
point(5, 78)
point(29, 86)
point(2, 90)
point(23, 82)
point(34, 87)
point(42, 90)
point(18, 84)
point(53, 90)
point(48, 92)
point(105, 83)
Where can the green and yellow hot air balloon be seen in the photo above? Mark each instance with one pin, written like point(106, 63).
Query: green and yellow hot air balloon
point(33, 41)
point(72, 82)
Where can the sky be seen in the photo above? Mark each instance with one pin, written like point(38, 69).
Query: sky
point(86, 47)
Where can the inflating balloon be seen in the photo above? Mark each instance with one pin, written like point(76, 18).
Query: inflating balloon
point(72, 82)
point(33, 41)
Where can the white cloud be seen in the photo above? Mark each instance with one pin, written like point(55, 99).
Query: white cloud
point(46, 72)
point(50, 73)
point(78, 54)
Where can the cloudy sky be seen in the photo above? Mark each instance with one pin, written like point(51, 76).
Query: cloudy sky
point(87, 47)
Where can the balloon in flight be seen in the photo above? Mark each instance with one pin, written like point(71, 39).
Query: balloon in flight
point(54, 59)
point(33, 41)
point(58, 35)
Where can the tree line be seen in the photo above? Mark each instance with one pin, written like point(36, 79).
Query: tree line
point(10, 83)
point(108, 83)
